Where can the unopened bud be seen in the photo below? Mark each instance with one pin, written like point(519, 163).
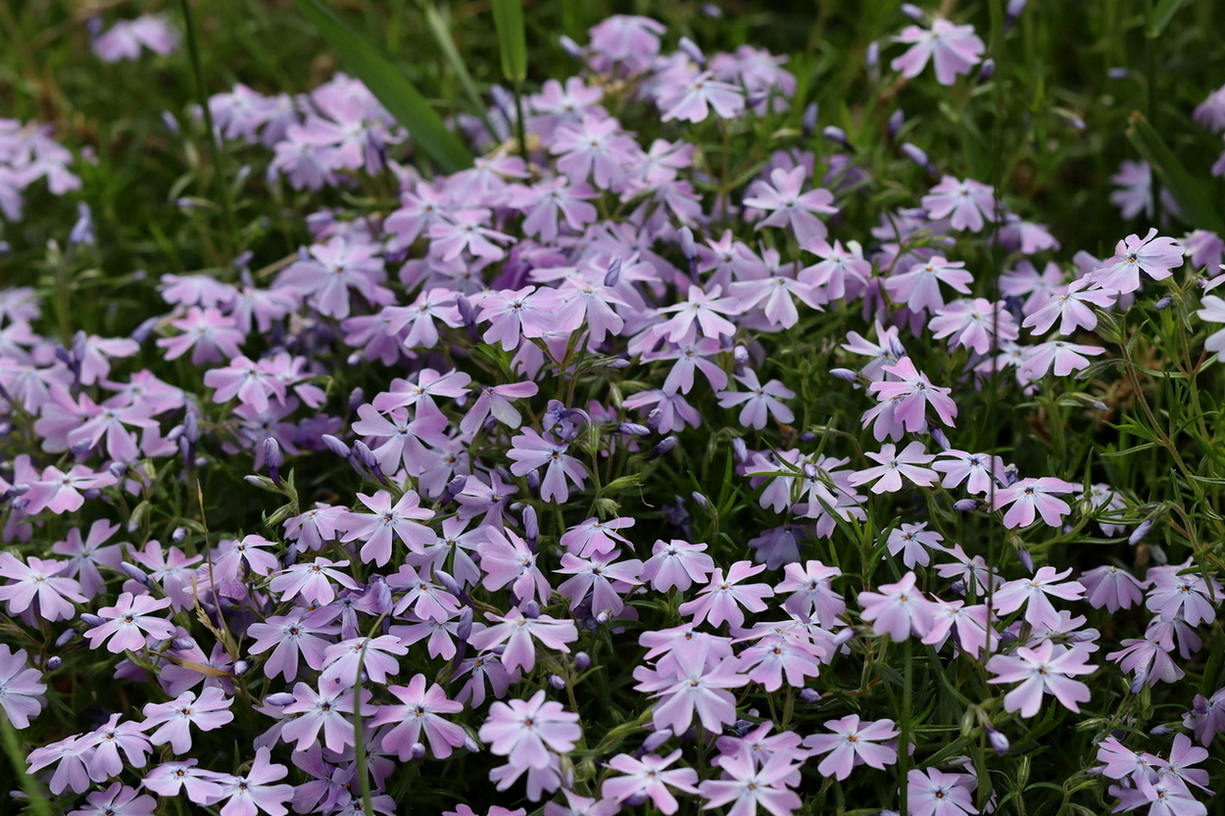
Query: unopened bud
point(1163, 304)
point(740, 354)
point(530, 609)
point(740, 450)
point(557, 681)
point(570, 47)
point(53, 662)
point(464, 630)
point(280, 699)
point(66, 637)
point(913, 12)
point(179, 535)
point(613, 276)
point(336, 446)
point(809, 122)
point(836, 135)
point(809, 695)
point(1027, 560)
point(692, 51)
point(689, 247)
point(134, 572)
point(633, 429)
point(1142, 530)
point(845, 374)
point(986, 70)
point(241, 667)
point(582, 661)
point(896, 120)
point(965, 505)
point(656, 739)
point(668, 443)
point(91, 620)
point(872, 57)
point(117, 469)
point(999, 742)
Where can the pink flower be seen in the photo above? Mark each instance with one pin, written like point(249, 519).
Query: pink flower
point(1030, 497)
point(748, 785)
point(919, 285)
point(935, 793)
point(1113, 588)
point(376, 529)
point(1150, 255)
point(532, 451)
point(648, 777)
point(976, 324)
point(721, 601)
point(527, 730)
point(1034, 594)
point(690, 98)
point(677, 564)
point(1047, 669)
point(785, 205)
point(853, 743)
point(700, 314)
point(21, 689)
point(209, 711)
point(967, 204)
point(760, 401)
point(254, 792)
point(420, 712)
point(954, 49)
point(1071, 307)
point(39, 587)
point(893, 466)
point(520, 632)
point(898, 610)
point(129, 623)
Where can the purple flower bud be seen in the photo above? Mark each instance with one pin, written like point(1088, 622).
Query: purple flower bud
point(357, 397)
point(471, 745)
point(531, 526)
point(845, 374)
point(416, 752)
point(632, 429)
point(530, 609)
point(336, 446)
point(656, 739)
point(91, 620)
point(940, 438)
point(1158, 555)
point(842, 636)
point(740, 450)
point(613, 276)
point(273, 458)
point(83, 230)
point(68, 635)
point(635, 799)
point(182, 644)
point(1163, 304)
point(117, 469)
point(365, 456)
point(354, 360)
point(55, 661)
point(809, 122)
point(836, 135)
point(466, 311)
point(1012, 11)
point(808, 436)
point(809, 695)
point(447, 581)
point(570, 47)
point(896, 120)
point(1161, 730)
point(1027, 560)
point(999, 742)
point(740, 354)
point(872, 57)
point(1118, 73)
point(280, 699)
point(533, 481)
point(655, 417)
point(702, 501)
point(582, 661)
point(668, 443)
point(81, 448)
point(134, 572)
point(1098, 405)
point(986, 70)
point(557, 681)
point(692, 51)
point(915, 154)
point(1142, 530)
point(689, 247)
point(913, 12)
point(618, 362)
point(1010, 475)
point(966, 505)
point(603, 618)
point(712, 11)
point(191, 427)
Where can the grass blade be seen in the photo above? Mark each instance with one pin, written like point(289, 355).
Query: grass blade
point(441, 30)
point(390, 87)
point(512, 41)
point(1162, 13)
point(1191, 196)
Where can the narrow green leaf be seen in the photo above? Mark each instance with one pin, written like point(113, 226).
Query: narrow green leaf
point(390, 87)
point(441, 29)
point(1191, 196)
point(1163, 12)
point(512, 42)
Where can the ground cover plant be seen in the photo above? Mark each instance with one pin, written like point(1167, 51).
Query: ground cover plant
point(813, 410)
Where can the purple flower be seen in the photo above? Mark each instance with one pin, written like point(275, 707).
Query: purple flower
point(1035, 593)
point(853, 743)
point(967, 204)
point(519, 632)
point(1152, 256)
point(532, 451)
point(418, 713)
point(677, 564)
point(953, 49)
point(130, 623)
point(648, 777)
point(785, 205)
point(38, 587)
point(209, 711)
point(1046, 669)
point(1031, 497)
point(21, 688)
point(117, 800)
point(724, 600)
point(897, 610)
point(760, 401)
point(749, 785)
point(527, 730)
point(936, 793)
point(377, 529)
point(893, 466)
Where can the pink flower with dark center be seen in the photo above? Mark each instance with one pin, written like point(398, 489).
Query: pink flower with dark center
point(725, 600)
point(898, 610)
point(209, 711)
point(936, 793)
point(853, 743)
point(1046, 669)
point(967, 204)
point(377, 529)
point(785, 205)
point(1031, 497)
point(648, 776)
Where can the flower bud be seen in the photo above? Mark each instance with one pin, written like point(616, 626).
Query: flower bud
point(701, 500)
point(836, 135)
point(668, 443)
point(280, 699)
point(557, 681)
point(872, 57)
point(66, 637)
point(464, 630)
point(117, 469)
point(134, 572)
point(691, 50)
point(53, 662)
point(940, 438)
point(613, 276)
point(913, 12)
point(740, 354)
point(182, 644)
point(986, 70)
point(1027, 560)
point(179, 535)
point(809, 695)
point(809, 122)
point(712, 11)
point(965, 505)
point(896, 120)
point(1142, 530)
point(416, 752)
point(582, 661)
point(999, 742)
point(1163, 304)
point(530, 609)
point(336, 446)
point(241, 667)
point(91, 620)
point(570, 47)
point(633, 429)
point(656, 739)
point(845, 374)
point(740, 450)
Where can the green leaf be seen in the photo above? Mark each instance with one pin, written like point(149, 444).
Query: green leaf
point(390, 87)
point(1162, 13)
point(512, 42)
point(1196, 205)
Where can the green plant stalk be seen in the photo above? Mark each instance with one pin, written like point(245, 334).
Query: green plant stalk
point(442, 35)
point(215, 152)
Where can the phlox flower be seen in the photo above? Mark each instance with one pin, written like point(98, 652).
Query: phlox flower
point(812, 594)
point(1152, 256)
point(953, 50)
point(313, 581)
point(202, 787)
point(60, 492)
point(1213, 310)
point(124, 39)
point(696, 686)
point(648, 777)
point(601, 577)
point(628, 39)
point(419, 712)
point(519, 633)
point(531, 451)
point(975, 324)
point(87, 554)
point(700, 314)
point(1046, 669)
point(893, 466)
point(577, 805)
point(724, 600)
point(853, 743)
point(253, 383)
point(898, 610)
point(1184, 596)
point(103, 747)
point(1111, 587)
point(256, 790)
point(676, 564)
point(1071, 307)
point(690, 96)
point(21, 688)
point(209, 711)
point(1058, 355)
point(915, 543)
point(329, 709)
point(595, 147)
point(967, 204)
point(117, 800)
point(1035, 593)
point(919, 285)
point(38, 587)
point(377, 529)
point(933, 792)
point(747, 786)
point(345, 662)
point(760, 401)
point(207, 333)
point(1034, 497)
point(291, 637)
point(785, 205)
point(910, 395)
point(527, 731)
point(129, 624)
point(596, 536)
point(1147, 660)
point(784, 651)
point(978, 470)
point(507, 559)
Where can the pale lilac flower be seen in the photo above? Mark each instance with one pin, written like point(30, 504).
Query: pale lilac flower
point(677, 564)
point(532, 451)
point(1034, 497)
point(1058, 355)
point(853, 743)
point(690, 96)
point(519, 633)
point(1111, 587)
point(1213, 310)
point(967, 204)
point(124, 39)
point(254, 792)
point(1151, 256)
point(496, 400)
point(202, 787)
point(1034, 594)
point(376, 529)
point(347, 661)
point(785, 205)
point(419, 712)
point(329, 709)
point(1184, 596)
point(209, 711)
point(935, 793)
point(748, 785)
point(700, 314)
point(760, 401)
point(21, 689)
point(1046, 669)
point(724, 600)
point(953, 50)
point(648, 777)
point(694, 686)
point(1071, 307)
point(915, 543)
point(812, 594)
point(39, 588)
point(601, 578)
point(313, 581)
point(893, 466)
point(292, 636)
point(528, 730)
point(976, 324)
point(117, 800)
point(919, 285)
point(129, 624)
point(898, 610)
point(978, 470)
point(910, 395)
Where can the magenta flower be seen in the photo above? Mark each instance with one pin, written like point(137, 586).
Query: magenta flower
point(967, 204)
point(785, 205)
point(648, 777)
point(725, 600)
point(209, 711)
point(255, 792)
point(1046, 669)
point(419, 712)
point(130, 623)
point(527, 730)
point(1030, 497)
